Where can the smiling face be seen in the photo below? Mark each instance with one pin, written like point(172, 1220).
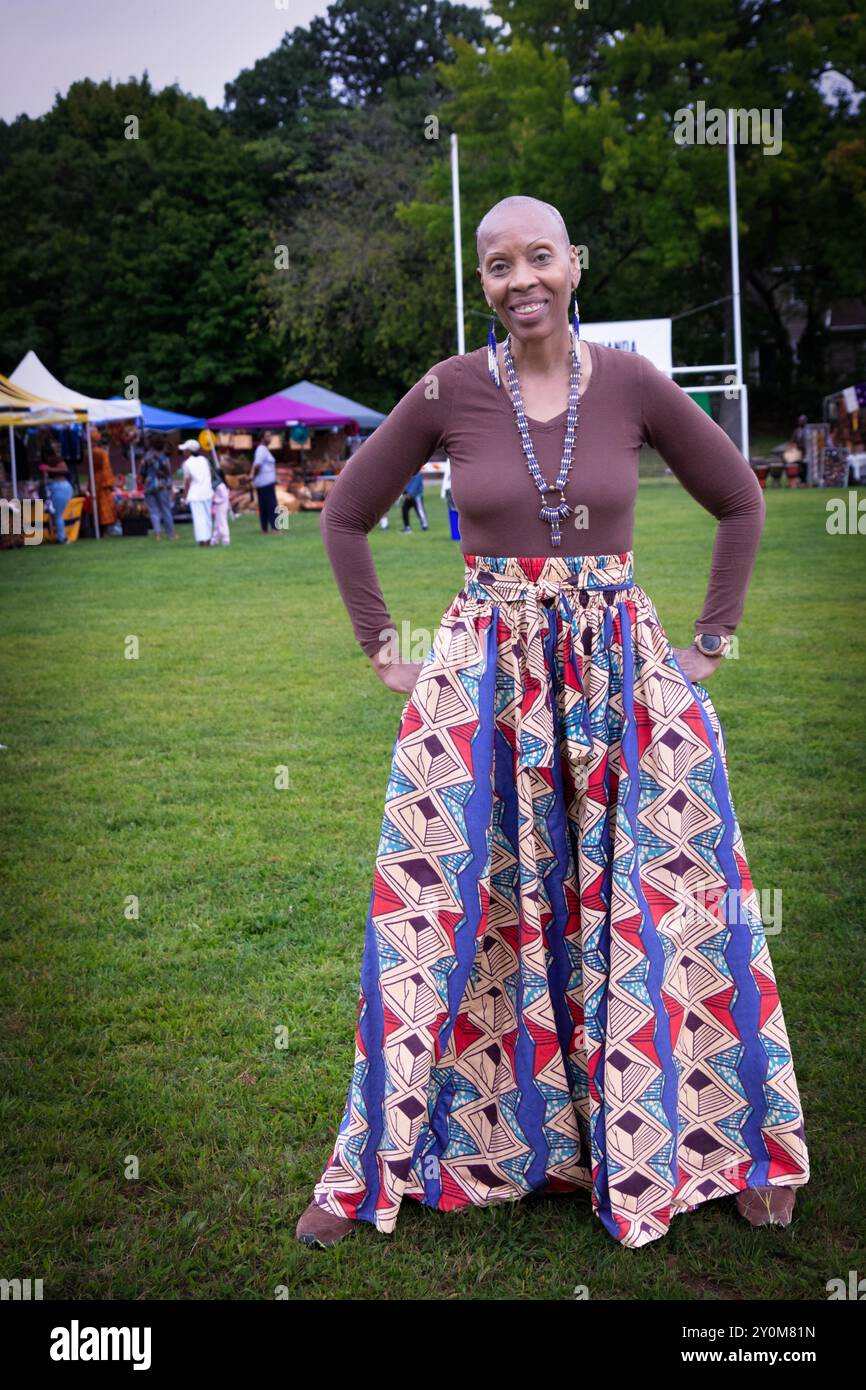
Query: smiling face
point(527, 269)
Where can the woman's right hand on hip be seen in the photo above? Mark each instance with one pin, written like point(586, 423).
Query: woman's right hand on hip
point(397, 675)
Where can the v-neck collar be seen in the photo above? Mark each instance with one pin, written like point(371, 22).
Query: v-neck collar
point(556, 420)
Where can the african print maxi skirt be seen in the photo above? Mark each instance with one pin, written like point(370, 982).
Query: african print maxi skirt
point(565, 983)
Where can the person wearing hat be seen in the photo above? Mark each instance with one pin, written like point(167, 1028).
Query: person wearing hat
point(198, 490)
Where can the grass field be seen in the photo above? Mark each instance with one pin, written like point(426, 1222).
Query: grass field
point(157, 1142)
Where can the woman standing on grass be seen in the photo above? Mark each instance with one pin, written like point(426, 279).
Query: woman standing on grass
point(566, 984)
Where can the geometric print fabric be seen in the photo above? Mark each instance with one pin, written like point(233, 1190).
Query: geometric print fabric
point(566, 983)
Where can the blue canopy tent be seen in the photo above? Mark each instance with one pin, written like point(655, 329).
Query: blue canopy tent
point(161, 421)
point(155, 419)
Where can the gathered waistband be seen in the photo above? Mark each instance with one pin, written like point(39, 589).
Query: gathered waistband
point(575, 585)
point(512, 577)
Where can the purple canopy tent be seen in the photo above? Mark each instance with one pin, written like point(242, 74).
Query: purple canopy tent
point(277, 413)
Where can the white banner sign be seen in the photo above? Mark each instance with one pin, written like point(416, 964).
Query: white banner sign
point(652, 337)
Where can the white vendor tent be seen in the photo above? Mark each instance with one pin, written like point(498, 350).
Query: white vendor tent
point(35, 377)
point(32, 375)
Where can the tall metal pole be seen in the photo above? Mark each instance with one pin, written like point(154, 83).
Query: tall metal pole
point(735, 288)
point(458, 252)
point(13, 463)
point(93, 496)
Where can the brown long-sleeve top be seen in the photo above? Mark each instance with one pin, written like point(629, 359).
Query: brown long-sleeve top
point(627, 401)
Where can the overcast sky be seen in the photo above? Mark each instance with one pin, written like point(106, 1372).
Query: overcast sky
point(200, 44)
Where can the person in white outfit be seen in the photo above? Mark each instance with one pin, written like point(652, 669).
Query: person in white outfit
point(221, 505)
point(445, 489)
point(198, 490)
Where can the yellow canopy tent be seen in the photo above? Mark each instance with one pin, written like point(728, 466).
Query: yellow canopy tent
point(20, 407)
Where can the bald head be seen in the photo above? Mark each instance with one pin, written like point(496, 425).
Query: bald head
point(543, 218)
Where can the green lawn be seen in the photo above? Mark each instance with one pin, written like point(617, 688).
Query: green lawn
point(157, 1144)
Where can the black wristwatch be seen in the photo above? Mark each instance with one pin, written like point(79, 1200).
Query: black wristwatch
point(711, 643)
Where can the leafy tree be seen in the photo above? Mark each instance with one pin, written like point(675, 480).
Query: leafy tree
point(364, 45)
point(282, 92)
point(160, 256)
point(585, 119)
point(134, 256)
point(363, 305)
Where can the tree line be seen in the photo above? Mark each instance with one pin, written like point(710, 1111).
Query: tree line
point(304, 228)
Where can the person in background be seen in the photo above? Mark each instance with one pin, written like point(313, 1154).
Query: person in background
point(57, 486)
point(263, 476)
point(103, 475)
point(155, 478)
point(198, 490)
point(800, 438)
point(413, 496)
point(445, 489)
point(221, 502)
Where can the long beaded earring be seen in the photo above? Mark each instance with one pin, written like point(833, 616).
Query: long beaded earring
point(575, 326)
point(492, 360)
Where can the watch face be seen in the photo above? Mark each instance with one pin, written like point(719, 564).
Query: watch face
point(710, 643)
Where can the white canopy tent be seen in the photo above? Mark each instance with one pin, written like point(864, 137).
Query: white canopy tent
point(32, 375)
point(20, 407)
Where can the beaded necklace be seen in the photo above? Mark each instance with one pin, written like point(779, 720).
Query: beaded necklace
point(551, 514)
